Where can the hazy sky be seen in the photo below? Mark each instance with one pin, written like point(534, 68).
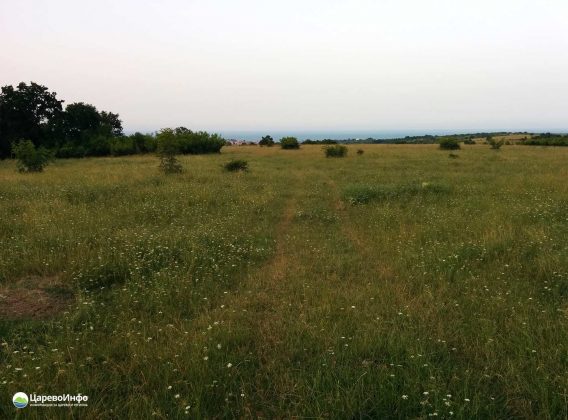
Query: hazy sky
point(301, 65)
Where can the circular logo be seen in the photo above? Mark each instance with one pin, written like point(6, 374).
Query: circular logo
point(20, 399)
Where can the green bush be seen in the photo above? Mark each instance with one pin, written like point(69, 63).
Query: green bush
point(98, 146)
point(289, 143)
point(144, 143)
point(122, 146)
point(70, 151)
point(337, 150)
point(30, 158)
point(469, 141)
point(236, 165)
point(168, 146)
point(360, 151)
point(266, 141)
point(495, 145)
point(170, 165)
point(448, 143)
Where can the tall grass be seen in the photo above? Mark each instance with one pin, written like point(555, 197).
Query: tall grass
point(206, 295)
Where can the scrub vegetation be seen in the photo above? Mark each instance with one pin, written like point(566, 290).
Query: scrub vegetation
point(394, 283)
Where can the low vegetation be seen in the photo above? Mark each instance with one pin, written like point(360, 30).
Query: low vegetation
point(266, 141)
point(337, 150)
point(30, 158)
point(448, 143)
point(546, 139)
point(168, 146)
point(495, 144)
point(236, 165)
point(401, 285)
point(289, 143)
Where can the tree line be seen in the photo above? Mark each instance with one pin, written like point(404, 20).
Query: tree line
point(32, 112)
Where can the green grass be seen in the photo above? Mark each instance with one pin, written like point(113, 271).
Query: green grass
point(396, 284)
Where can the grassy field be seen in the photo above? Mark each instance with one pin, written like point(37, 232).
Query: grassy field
point(400, 283)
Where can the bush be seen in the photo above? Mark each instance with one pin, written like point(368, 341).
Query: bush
point(188, 142)
point(144, 143)
point(98, 146)
point(337, 150)
point(448, 143)
point(495, 145)
point(122, 146)
point(266, 141)
point(360, 151)
point(168, 146)
point(170, 165)
point(469, 141)
point(69, 150)
point(29, 158)
point(289, 143)
point(236, 165)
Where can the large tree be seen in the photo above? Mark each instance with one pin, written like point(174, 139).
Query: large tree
point(25, 113)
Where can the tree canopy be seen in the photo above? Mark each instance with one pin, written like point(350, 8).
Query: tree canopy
point(33, 112)
point(27, 112)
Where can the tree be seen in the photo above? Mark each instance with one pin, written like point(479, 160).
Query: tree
point(26, 112)
point(266, 141)
point(111, 124)
point(81, 121)
point(289, 143)
point(84, 130)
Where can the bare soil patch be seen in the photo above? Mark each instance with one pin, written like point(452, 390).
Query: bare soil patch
point(34, 298)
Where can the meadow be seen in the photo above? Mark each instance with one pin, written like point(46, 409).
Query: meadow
point(397, 283)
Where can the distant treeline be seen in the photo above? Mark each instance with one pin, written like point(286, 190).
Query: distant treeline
point(546, 139)
point(428, 138)
point(32, 112)
point(324, 141)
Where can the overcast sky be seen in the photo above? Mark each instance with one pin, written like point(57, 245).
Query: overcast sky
point(298, 65)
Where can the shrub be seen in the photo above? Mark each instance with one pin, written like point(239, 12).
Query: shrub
point(266, 141)
point(170, 165)
point(495, 145)
point(122, 146)
point(30, 158)
point(69, 150)
point(289, 143)
point(360, 151)
point(236, 165)
point(144, 143)
point(448, 143)
point(337, 150)
point(98, 146)
point(469, 141)
point(168, 147)
point(189, 142)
